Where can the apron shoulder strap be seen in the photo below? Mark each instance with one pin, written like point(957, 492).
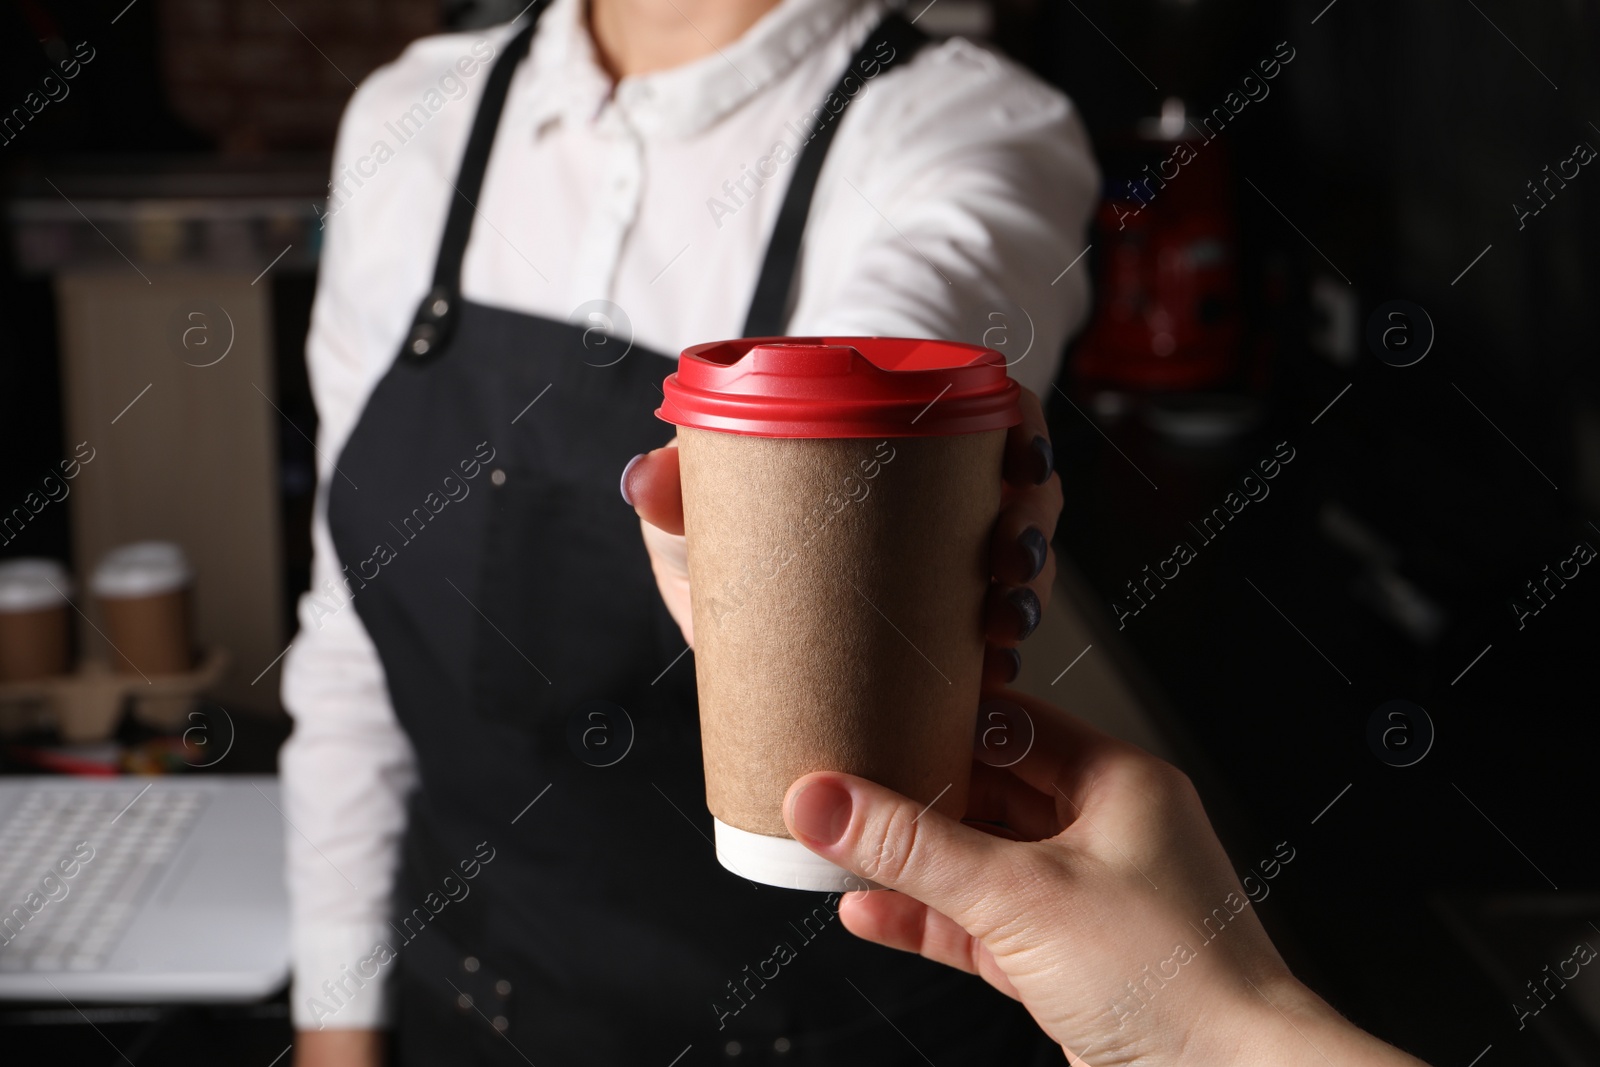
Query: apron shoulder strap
point(435, 318)
point(769, 307)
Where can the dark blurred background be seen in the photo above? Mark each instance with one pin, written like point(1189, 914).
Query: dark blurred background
point(1362, 236)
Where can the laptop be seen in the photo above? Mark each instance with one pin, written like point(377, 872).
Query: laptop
point(142, 889)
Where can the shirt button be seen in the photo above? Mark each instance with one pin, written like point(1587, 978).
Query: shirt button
point(781, 1045)
point(464, 1001)
point(733, 1048)
point(503, 988)
point(497, 478)
point(501, 1023)
point(470, 964)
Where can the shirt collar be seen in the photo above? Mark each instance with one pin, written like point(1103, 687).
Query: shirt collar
point(572, 87)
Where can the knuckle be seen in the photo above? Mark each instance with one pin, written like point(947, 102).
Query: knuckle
point(1161, 780)
point(1053, 494)
point(894, 843)
point(1177, 780)
point(1045, 581)
point(1138, 773)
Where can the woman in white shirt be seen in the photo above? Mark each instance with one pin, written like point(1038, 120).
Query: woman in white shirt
point(533, 221)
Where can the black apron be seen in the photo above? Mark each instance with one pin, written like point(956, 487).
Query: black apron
point(559, 901)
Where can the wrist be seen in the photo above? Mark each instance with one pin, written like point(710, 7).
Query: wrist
point(339, 1048)
point(1291, 1026)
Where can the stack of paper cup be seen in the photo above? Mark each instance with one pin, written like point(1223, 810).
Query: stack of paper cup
point(143, 590)
point(839, 495)
point(34, 631)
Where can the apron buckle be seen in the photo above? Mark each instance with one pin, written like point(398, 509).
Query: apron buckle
point(433, 324)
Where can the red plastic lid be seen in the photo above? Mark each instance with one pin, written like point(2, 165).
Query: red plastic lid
point(840, 387)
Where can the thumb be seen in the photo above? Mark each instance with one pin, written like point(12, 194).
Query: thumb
point(899, 843)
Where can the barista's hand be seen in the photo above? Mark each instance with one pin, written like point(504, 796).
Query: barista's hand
point(652, 483)
point(1021, 561)
point(1100, 898)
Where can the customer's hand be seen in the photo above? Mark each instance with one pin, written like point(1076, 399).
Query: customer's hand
point(1021, 562)
point(338, 1048)
point(1099, 897)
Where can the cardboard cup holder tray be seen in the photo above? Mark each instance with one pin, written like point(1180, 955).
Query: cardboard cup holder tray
point(87, 704)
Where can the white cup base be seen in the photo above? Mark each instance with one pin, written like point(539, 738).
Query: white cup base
point(781, 862)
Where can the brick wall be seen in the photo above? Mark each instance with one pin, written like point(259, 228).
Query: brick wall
point(249, 72)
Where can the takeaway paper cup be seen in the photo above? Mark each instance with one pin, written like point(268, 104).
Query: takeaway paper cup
point(34, 632)
point(839, 495)
point(143, 592)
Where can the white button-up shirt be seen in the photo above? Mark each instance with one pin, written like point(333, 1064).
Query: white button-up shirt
point(952, 203)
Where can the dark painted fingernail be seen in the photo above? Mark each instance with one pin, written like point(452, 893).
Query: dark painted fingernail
point(1038, 550)
point(1026, 604)
point(1045, 458)
point(623, 485)
point(1013, 664)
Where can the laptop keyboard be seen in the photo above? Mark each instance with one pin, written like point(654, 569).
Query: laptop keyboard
point(133, 836)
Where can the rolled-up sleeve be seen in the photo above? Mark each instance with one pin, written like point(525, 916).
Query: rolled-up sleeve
point(955, 208)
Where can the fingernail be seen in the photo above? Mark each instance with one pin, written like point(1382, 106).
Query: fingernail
point(820, 812)
point(1014, 660)
point(1046, 458)
point(1026, 604)
point(623, 485)
point(1038, 549)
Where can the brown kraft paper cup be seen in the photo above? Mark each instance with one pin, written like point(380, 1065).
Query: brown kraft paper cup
point(34, 633)
point(150, 633)
point(143, 591)
point(838, 605)
point(33, 644)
